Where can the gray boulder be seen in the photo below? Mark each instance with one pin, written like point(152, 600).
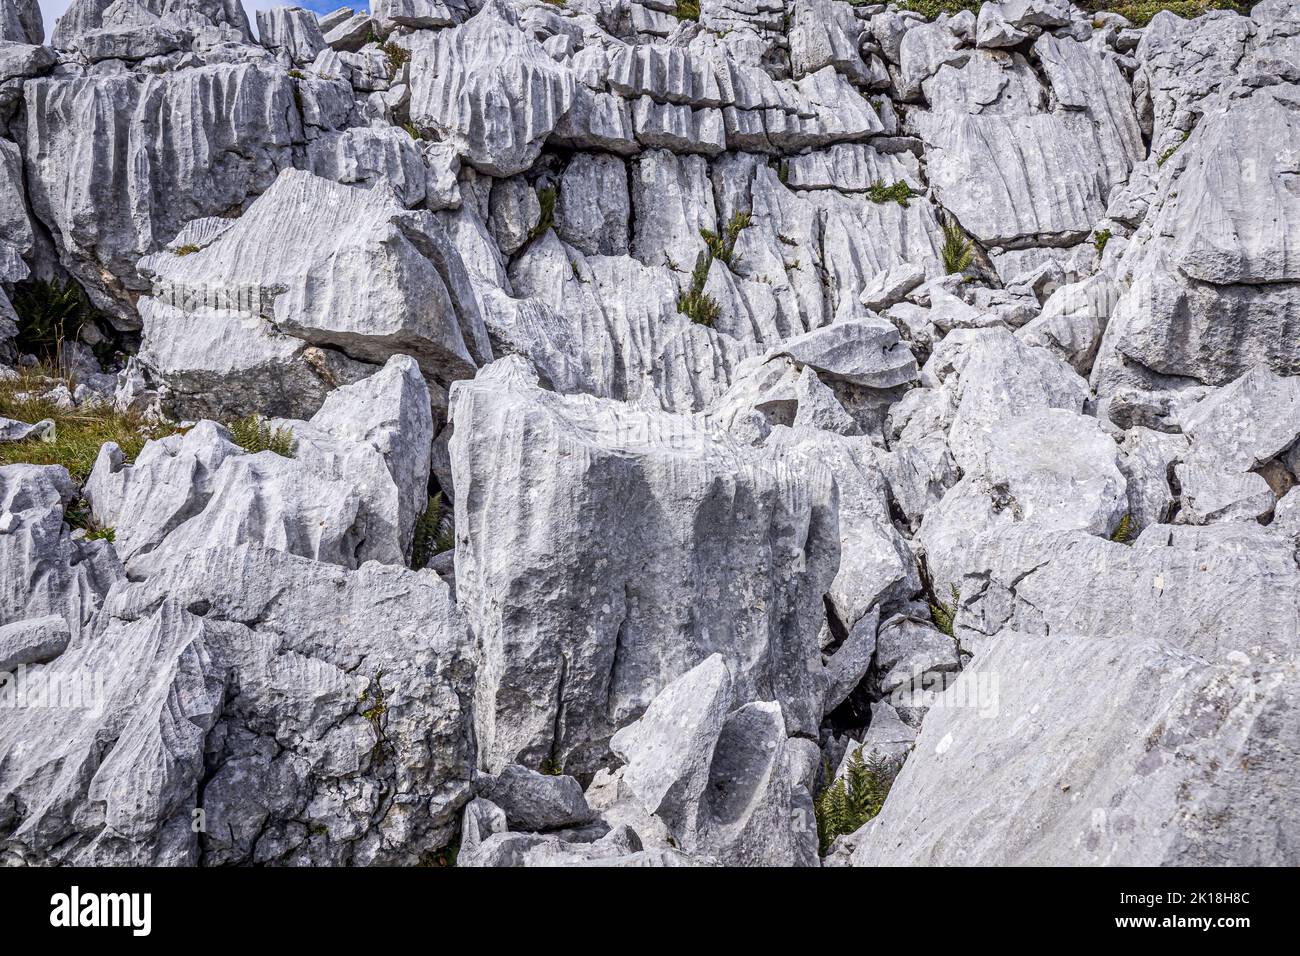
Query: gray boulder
point(536, 801)
point(649, 607)
point(324, 711)
point(1122, 752)
point(237, 317)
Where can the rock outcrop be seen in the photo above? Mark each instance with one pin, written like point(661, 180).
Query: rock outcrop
point(616, 433)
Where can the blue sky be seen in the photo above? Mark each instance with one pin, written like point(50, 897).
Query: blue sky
point(53, 9)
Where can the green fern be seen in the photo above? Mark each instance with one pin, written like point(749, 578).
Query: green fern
point(397, 55)
point(899, 192)
point(435, 532)
point(944, 615)
point(49, 313)
point(723, 247)
point(694, 303)
point(958, 251)
point(255, 434)
point(854, 799)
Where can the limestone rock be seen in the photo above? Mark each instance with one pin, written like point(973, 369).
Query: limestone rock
point(638, 616)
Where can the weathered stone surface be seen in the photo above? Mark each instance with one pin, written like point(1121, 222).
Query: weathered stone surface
point(593, 209)
point(862, 352)
point(719, 781)
point(491, 89)
point(45, 570)
point(351, 493)
point(1121, 751)
point(292, 31)
point(293, 682)
point(32, 641)
point(20, 22)
point(353, 273)
point(112, 183)
point(638, 617)
point(1017, 170)
point(536, 801)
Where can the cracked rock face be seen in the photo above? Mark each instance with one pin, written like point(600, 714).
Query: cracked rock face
point(583, 435)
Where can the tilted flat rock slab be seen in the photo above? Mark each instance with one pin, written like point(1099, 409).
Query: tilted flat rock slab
point(1099, 751)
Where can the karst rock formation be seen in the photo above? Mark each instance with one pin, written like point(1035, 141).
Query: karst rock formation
point(702, 421)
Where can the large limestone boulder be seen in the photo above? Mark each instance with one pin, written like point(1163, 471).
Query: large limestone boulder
point(314, 279)
point(351, 492)
point(46, 571)
point(111, 181)
point(602, 551)
point(21, 22)
point(999, 159)
point(491, 89)
point(729, 784)
point(1093, 750)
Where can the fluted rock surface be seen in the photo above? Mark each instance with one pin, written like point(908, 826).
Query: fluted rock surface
point(643, 544)
point(669, 427)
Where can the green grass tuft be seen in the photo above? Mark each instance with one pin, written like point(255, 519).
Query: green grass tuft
point(1100, 240)
point(688, 9)
point(1124, 531)
point(78, 432)
point(254, 433)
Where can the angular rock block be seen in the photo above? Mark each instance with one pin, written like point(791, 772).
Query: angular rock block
point(313, 280)
point(602, 551)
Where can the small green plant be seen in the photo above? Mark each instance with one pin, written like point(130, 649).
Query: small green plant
point(1100, 240)
point(551, 767)
point(854, 799)
point(783, 172)
point(557, 3)
point(297, 74)
point(1164, 157)
point(397, 55)
point(374, 714)
point(958, 252)
point(695, 303)
point(186, 250)
point(899, 192)
point(1140, 12)
point(101, 534)
point(1124, 531)
point(688, 9)
point(255, 434)
point(435, 532)
point(944, 615)
point(412, 131)
point(546, 199)
point(722, 247)
point(933, 8)
point(49, 313)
